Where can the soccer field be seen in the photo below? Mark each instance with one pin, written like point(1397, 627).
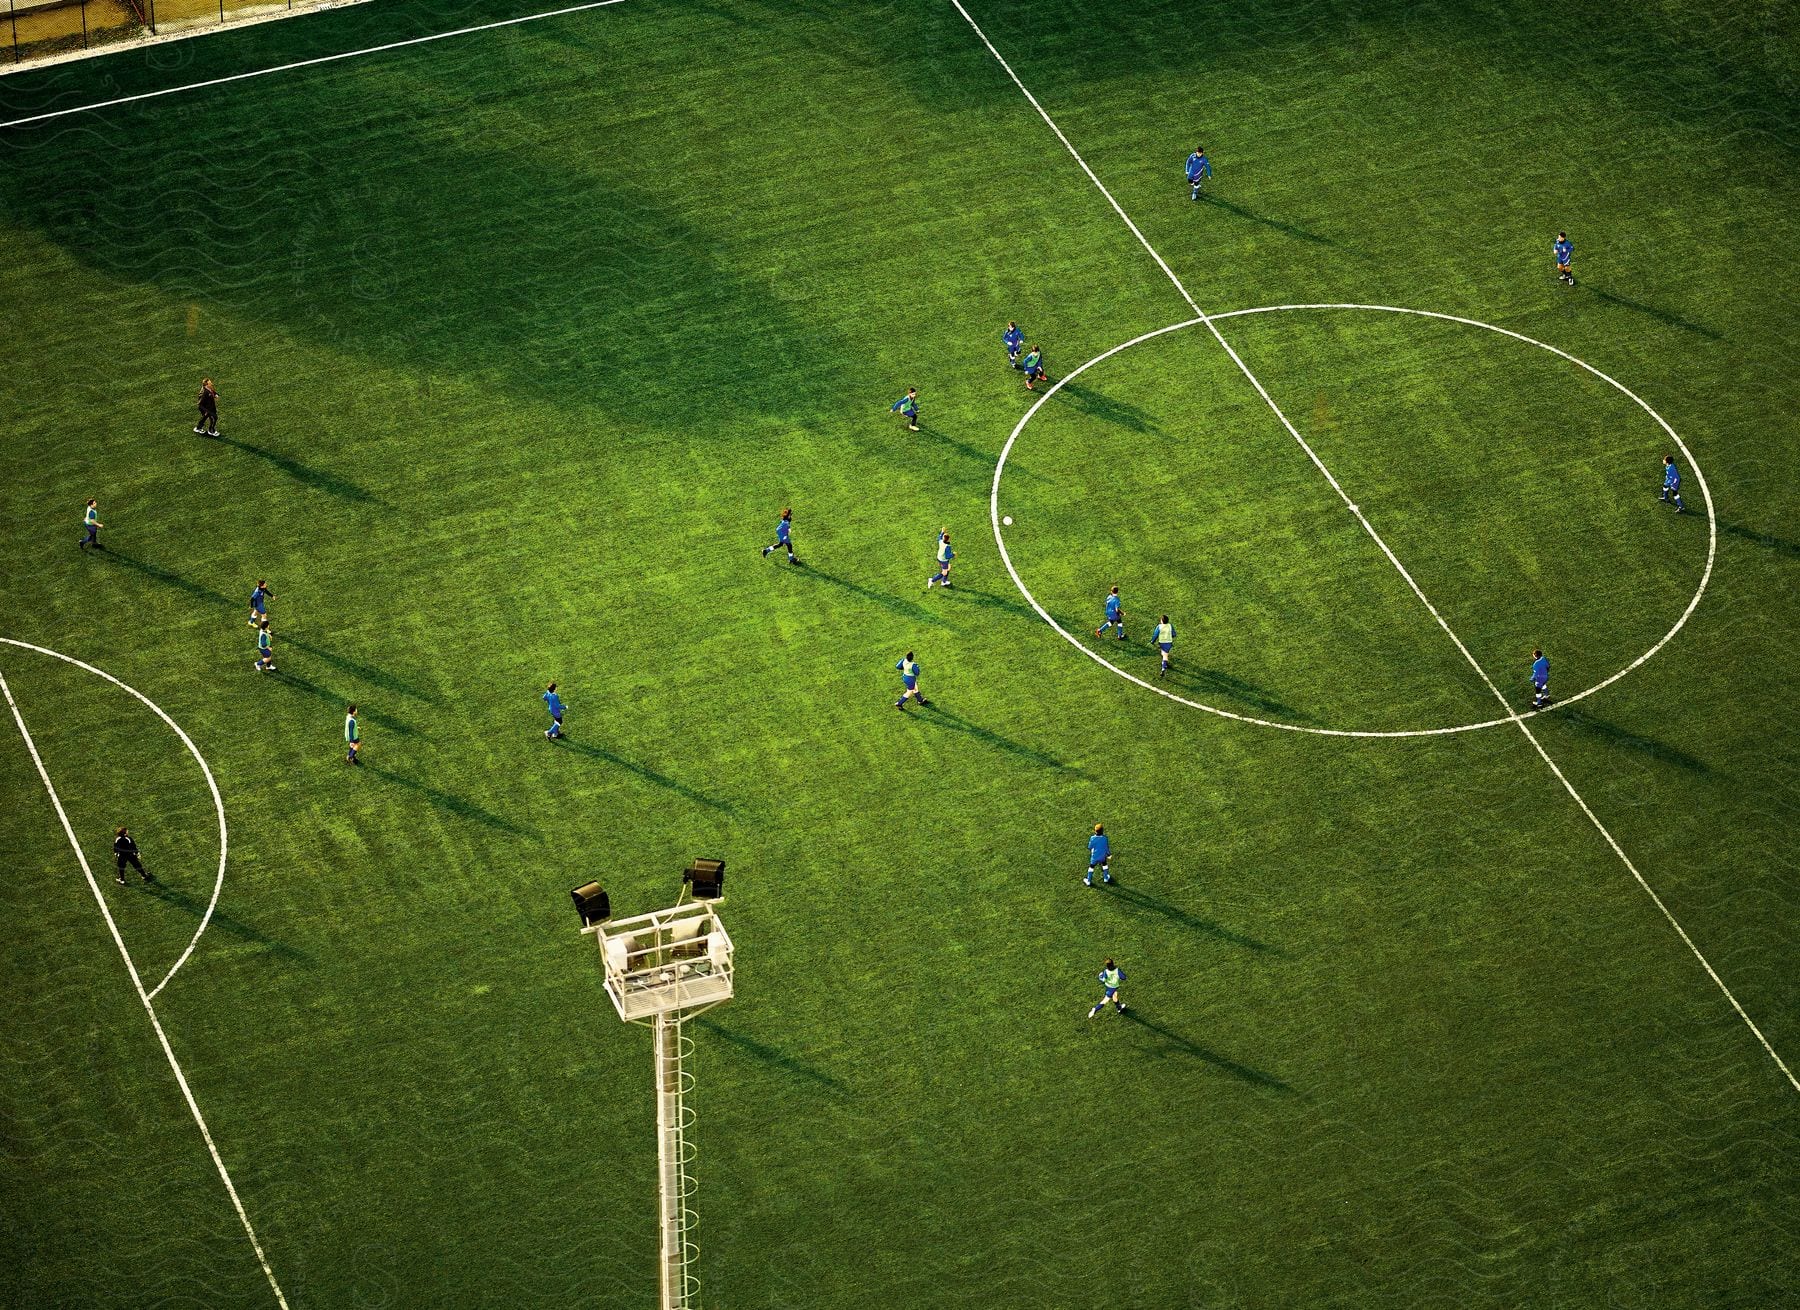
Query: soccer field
point(525, 336)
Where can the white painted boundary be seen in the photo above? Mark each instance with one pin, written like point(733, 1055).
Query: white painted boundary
point(308, 63)
point(137, 983)
point(1511, 717)
point(211, 785)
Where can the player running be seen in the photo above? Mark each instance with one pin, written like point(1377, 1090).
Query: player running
point(1671, 489)
point(554, 704)
point(1165, 641)
point(208, 426)
point(784, 536)
point(265, 650)
point(909, 680)
point(945, 557)
point(1112, 977)
point(352, 737)
point(1034, 367)
point(90, 522)
point(1015, 342)
point(260, 596)
point(1564, 250)
point(1115, 615)
point(1099, 856)
point(1540, 679)
point(1198, 169)
point(907, 407)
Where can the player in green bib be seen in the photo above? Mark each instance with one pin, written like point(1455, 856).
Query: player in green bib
point(1165, 640)
point(1112, 977)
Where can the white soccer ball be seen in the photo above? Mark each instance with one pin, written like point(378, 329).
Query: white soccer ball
point(1007, 520)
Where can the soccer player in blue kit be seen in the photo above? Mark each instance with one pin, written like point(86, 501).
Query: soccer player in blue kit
point(909, 680)
point(1198, 169)
point(784, 536)
point(945, 557)
point(1015, 342)
point(1671, 482)
point(1564, 250)
point(1112, 977)
point(260, 596)
point(1099, 856)
point(1540, 679)
point(1115, 615)
point(554, 703)
point(1164, 638)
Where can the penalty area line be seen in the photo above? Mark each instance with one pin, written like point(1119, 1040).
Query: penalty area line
point(309, 63)
point(1511, 714)
point(137, 984)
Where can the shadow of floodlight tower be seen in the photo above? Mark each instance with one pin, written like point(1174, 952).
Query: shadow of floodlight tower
point(661, 969)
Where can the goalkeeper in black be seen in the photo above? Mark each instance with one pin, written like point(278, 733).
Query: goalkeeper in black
point(125, 852)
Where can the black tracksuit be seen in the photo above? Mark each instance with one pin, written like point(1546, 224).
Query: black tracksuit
point(125, 851)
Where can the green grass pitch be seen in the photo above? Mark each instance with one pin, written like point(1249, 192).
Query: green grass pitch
point(525, 337)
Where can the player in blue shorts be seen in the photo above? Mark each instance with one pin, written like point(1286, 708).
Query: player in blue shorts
point(1540, 679)
point(909, 680)
point(91, 524)
point(554, 704)
point(1115, 615)
point(1112, 977)
point(1198, 169)
point(1034, 367)
point(1564, 250)
point(907, 407)
point(1015, 342)
point(945, 556)
point(352, 737)
point(1671, 482)
point(1099, 856)
point(260, 596)
point(784, 536)
point(265, 651)
point(1165, 642)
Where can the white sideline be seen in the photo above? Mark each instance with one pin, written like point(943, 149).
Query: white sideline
point(211, 785)
point(309, 63)
point(143, 996)
point(1511, 715)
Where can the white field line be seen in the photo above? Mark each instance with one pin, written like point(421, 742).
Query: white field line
point(138, 984)
point(211, 785)
point(1511, 715)
point(309, 63)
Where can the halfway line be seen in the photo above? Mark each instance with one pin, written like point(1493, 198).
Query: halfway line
point(308, 63)
point(1511, 714)
point(138, 984)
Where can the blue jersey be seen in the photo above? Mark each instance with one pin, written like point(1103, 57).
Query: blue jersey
point(1014, 339)
point(909, 671)
point(92, 517)
point(262, 641)
point(1198, 167)
point(945, 554)
point(905, 405)
point(257, 596)
point(1111, 978)
point(1565, 251)
point(1671, 477)
point(555, 703)
point(782, 529)
point(1114, 607)
point(1540, 670)
point(1099, 848)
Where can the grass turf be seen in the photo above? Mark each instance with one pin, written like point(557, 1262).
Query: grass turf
point(524, 338)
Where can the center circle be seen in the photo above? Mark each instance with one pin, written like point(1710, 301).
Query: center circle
point(1089, 649)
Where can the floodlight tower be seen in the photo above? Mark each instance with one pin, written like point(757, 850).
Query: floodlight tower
point(661, 969)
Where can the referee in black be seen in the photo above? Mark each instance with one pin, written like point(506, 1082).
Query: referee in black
point(208, 426)
point(125, 852)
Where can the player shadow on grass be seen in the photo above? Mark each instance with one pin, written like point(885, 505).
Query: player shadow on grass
point(1218, 682)
point(1651, 311)
point(367, 672)
point(939, 717)
point(996, 600)
point(775, 1056)
point(182, 901)
point(386, 722)
point(308, 476)
point(649, 775)
point(887, 600)
point(1767, 541)
point(1614, 735)
point(451, 804)
point(1108, 409)
point(1175, 914)
point(171, 579)
point(1288, 229)
point(1175, 1043)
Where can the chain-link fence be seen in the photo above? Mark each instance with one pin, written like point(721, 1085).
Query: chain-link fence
point(40, 29)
